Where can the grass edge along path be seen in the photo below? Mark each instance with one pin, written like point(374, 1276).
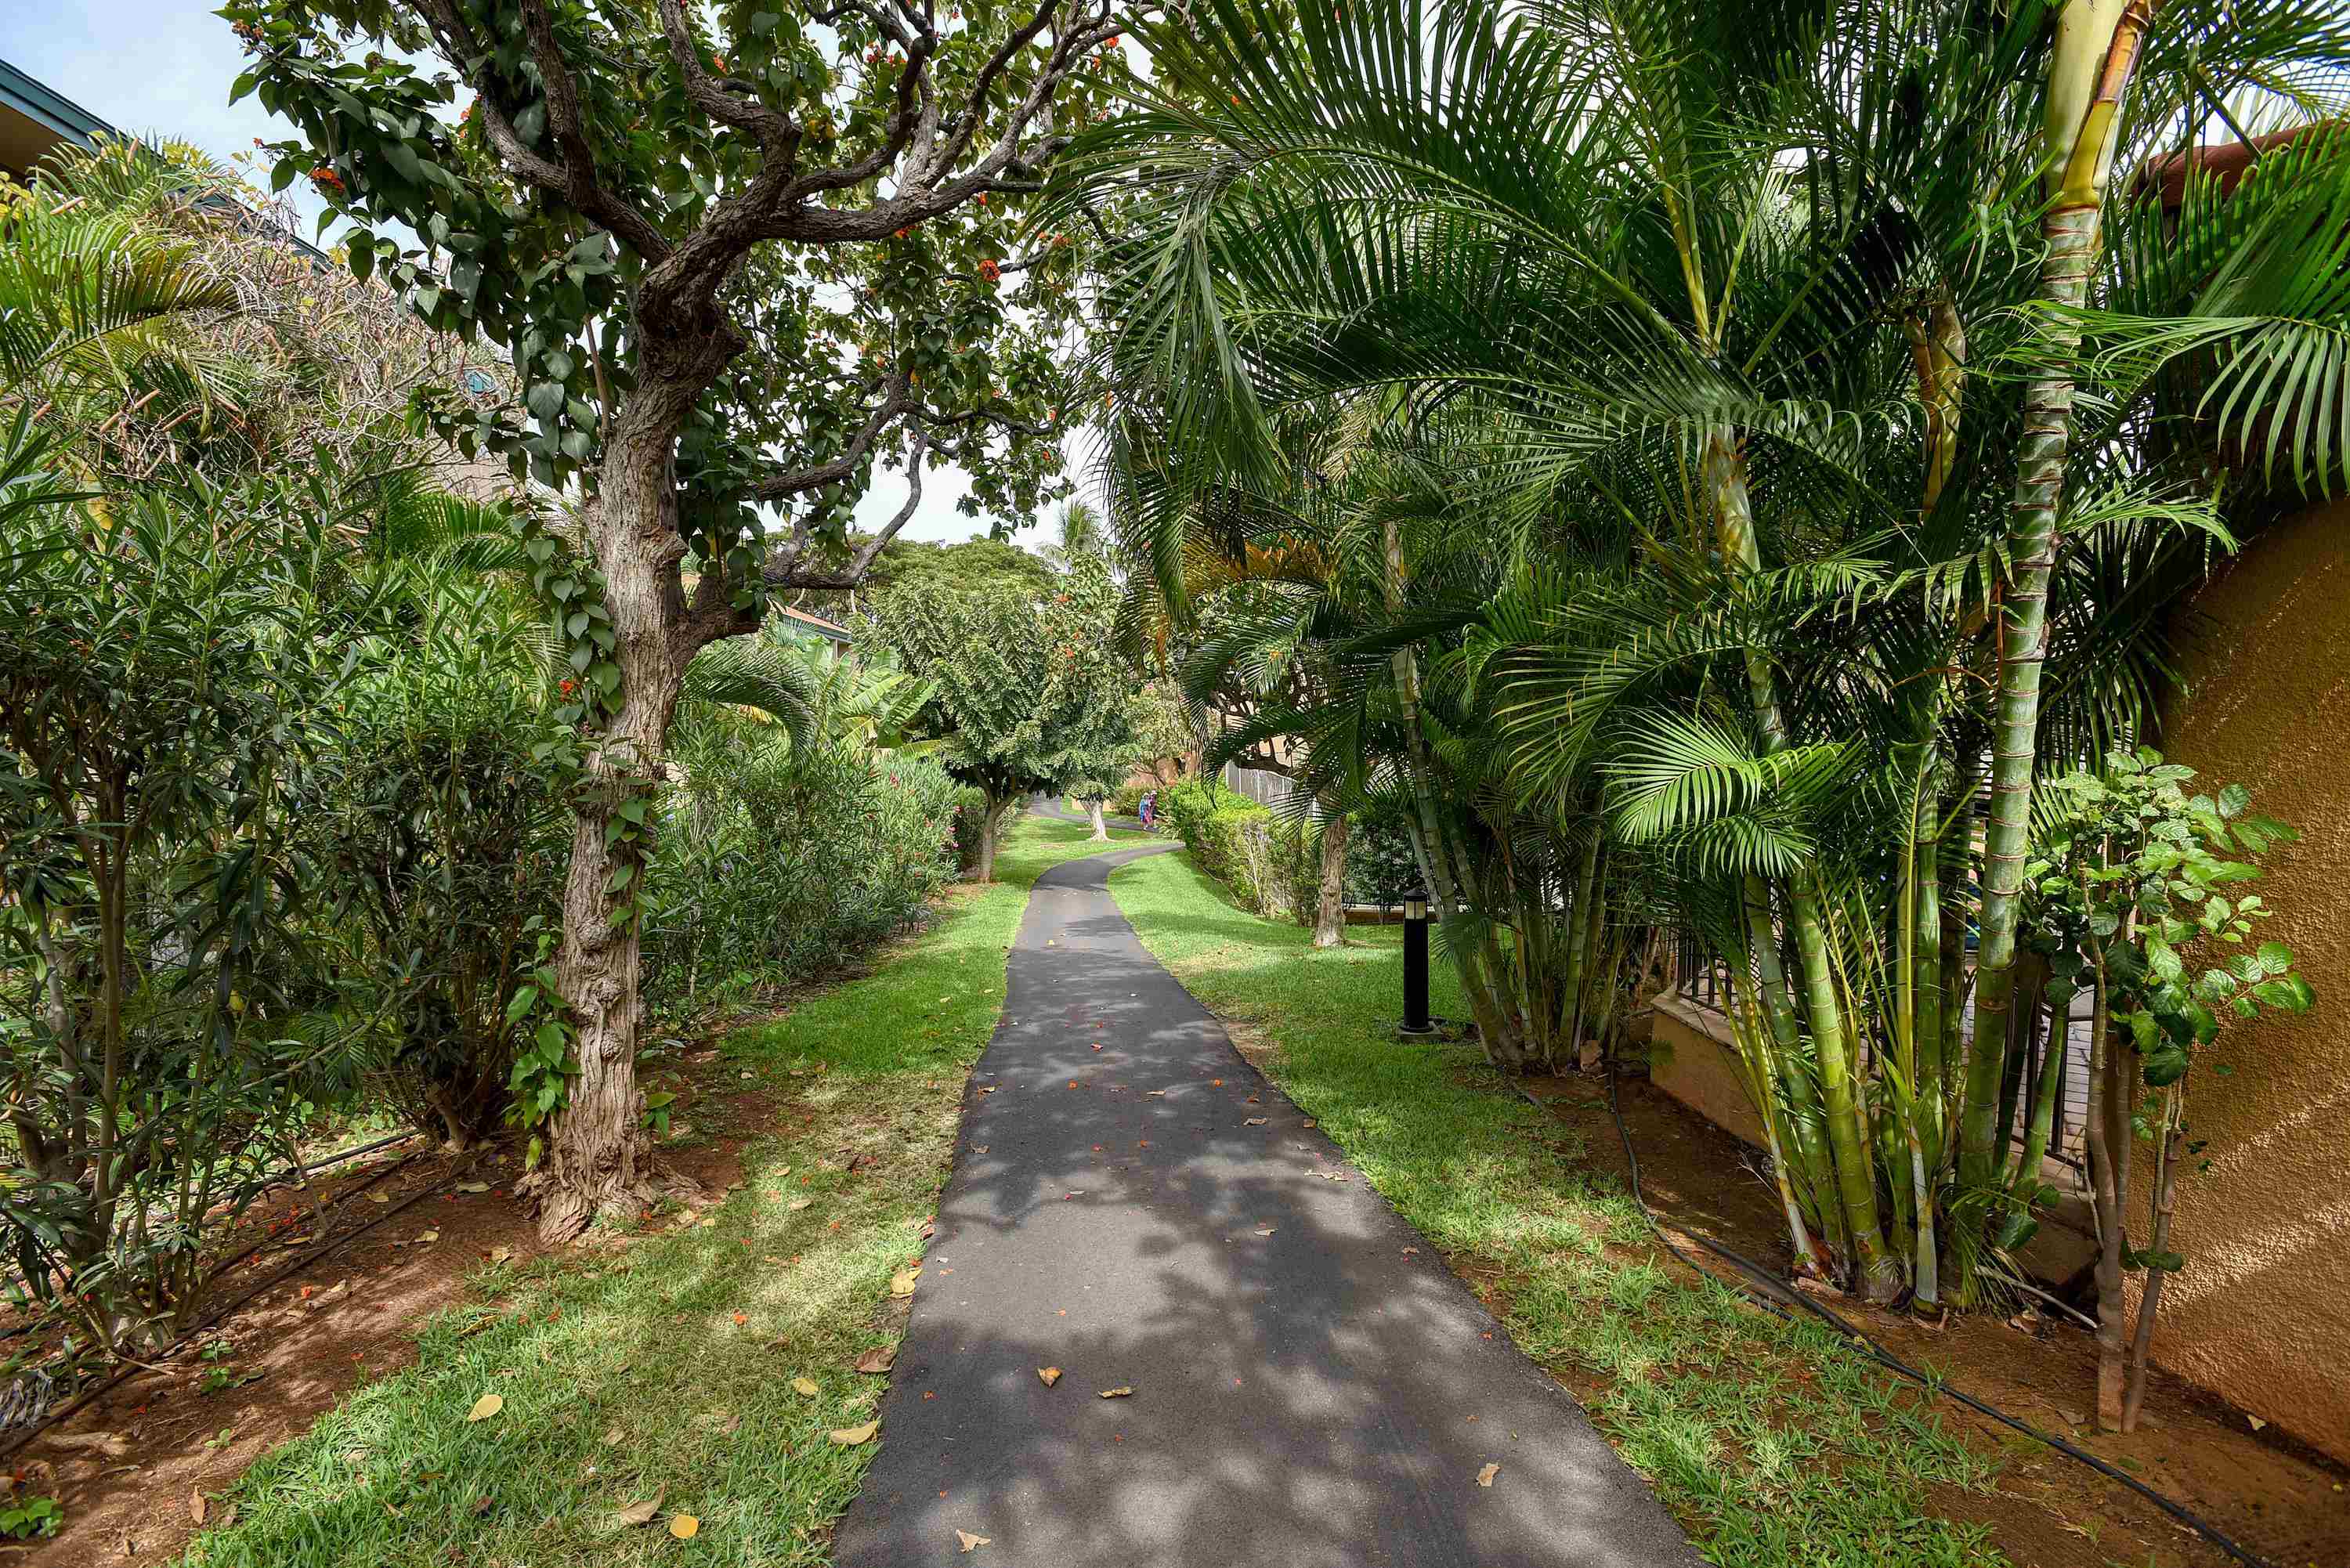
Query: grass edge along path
point(667, 1369)
point(1774, 1444)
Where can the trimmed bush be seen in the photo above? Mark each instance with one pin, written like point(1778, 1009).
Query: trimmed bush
point(777, 863)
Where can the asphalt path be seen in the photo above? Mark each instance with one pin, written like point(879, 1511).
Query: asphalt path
point(1311, 1387)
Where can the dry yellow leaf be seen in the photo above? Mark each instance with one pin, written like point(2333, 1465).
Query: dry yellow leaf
point(1049, 1376)
point(196, 1506)
point(685, 1527)
point(501, 1254)
point(1485, 1477)
point(966, 1542)
point(644, 1512)
point(1120, 1392)
point(849, 1436)
point(473, 1186)
point(797, 1204)
point(803, 1385)
point(901, 1284)
point(428, 1238)
point(379, 1196)
point(1254, 1122)
point(487, 1406)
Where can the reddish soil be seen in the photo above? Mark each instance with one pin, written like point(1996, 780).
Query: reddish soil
point(2289, 1504)
point(130, 1466)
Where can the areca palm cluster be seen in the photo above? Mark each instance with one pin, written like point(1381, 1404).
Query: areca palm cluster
point(1775, 432)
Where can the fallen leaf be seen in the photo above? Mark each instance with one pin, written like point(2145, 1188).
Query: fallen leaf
point(1266, 1231)
point(901, 1284)
point(797, 1204)
point(379, 1196)
point(1411, 1251)
point(473, 1186)
point(1121, 1392)
point(481, 1506)
point(685, 1527)
point(804, 1386)
point(877, 1360)
point(615, 1438)
point(487, 1406)
point(501, 1254)
point(1216, 1083)
point(429, 1237)
point(2256, 1421)
point(644, 1512)
point(1049, 1376)
point(849, 1436)
point(1254, 1122)
point(968, 1542)
point(1485, 1477)
point(196, 1506)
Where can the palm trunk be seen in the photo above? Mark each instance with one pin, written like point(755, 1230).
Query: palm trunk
point(1579, 941)
point(1330, 902)
point(2097, 51)
point(1856, 1176)
point(1503, 1046)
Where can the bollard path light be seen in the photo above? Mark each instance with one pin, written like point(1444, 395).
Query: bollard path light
point(1416, 1021)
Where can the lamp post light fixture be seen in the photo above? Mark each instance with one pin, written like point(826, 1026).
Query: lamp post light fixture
point(1416, 1021)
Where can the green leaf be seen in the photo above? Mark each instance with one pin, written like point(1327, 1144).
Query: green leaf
point(2234, 799)
point(524, 1000)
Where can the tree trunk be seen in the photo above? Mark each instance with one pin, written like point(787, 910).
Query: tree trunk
point(2168, 1153)
point(1330, 903)
point(1100, 834)
point(2109, 1146)
point(596, 1161)
point(2097, 51)
point(990, 826)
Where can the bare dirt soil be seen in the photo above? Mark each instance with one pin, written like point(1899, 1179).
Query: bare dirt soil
point(2289, 1504)
point(137, 1469)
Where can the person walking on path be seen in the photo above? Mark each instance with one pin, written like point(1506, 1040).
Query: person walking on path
point(1147, 806)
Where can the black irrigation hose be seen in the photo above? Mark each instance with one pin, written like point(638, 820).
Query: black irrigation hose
point(303, 1172)
point(1885, 1358)
point(51, 1419)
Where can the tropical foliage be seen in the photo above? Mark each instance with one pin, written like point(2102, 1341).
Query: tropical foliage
point(1704, 463)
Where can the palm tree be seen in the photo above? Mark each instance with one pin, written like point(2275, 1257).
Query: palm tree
point(1704, 295)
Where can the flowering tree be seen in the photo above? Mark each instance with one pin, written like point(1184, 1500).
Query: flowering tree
point(739, 256)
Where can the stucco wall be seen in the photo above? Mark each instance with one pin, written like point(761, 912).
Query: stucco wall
point(2262, 1315)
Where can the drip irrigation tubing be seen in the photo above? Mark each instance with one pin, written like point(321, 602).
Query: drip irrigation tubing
point(1884, 1357)
point(13, 1441)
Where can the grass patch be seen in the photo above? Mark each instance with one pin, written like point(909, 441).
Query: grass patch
point(1774, 1443)
point(667, 1366)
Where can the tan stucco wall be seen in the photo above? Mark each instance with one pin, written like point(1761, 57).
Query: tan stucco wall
point(2262, 1315)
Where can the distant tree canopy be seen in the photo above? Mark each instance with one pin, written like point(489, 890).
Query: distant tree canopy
point(1028, 690)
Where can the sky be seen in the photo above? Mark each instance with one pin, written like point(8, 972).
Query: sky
point(163, 67)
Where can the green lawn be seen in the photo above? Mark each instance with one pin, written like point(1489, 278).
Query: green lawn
point(667, 1369)
point(1774, 1445)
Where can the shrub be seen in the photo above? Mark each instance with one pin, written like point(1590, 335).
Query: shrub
point(1271, 864)
point(450, 841)
point(776, 862)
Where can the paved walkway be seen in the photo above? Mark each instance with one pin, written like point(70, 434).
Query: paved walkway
point(1308, 1392)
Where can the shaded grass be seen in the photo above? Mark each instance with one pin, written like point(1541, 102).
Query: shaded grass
point(666, 1365)
point(1773, 1443)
